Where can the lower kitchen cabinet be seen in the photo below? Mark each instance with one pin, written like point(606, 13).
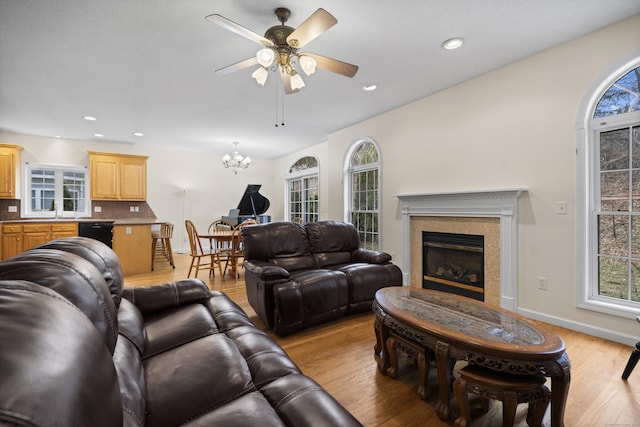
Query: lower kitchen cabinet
point(18, 237)
point(132, 244)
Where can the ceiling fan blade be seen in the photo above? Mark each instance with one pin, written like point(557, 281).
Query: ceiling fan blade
point(286, 83)
point(333, 65)
point(228, 24)
point(316, 24)
point(238, 66)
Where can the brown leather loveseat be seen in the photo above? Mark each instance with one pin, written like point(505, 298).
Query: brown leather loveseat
point(298, 276)
point(78, 350)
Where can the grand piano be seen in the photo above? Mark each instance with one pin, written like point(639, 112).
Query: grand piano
point(253, 205)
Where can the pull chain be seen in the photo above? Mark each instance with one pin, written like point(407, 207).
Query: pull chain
point(281, 103)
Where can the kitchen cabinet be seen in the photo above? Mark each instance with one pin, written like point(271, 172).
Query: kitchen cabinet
point(118, 176)
point(18, 237)
point(132, 244)
point(11, 240)
point(9, 170)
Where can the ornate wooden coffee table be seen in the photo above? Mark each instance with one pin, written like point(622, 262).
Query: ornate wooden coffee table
point(458, 328)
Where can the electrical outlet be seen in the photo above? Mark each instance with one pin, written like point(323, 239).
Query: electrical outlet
point(137, 209)
point(542, 283)
point(13, 209)
point(561, 208)
point(127, 230)
point(132, 208)
point(97, 209)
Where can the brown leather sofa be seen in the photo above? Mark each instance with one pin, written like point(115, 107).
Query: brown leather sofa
point(78, 350)
point(298, 275)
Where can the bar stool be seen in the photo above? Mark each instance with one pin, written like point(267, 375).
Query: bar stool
point(510, 389)
point(633, 359)
point(163, 238)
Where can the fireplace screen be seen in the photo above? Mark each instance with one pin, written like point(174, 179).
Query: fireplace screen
point(453, 263)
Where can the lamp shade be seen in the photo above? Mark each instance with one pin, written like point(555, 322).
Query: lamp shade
point(260, 75)
point(296, 81)
point(265, 57)
point(308, 65)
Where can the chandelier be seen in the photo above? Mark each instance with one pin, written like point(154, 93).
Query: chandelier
point(235, 161)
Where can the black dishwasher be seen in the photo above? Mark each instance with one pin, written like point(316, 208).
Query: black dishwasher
point(102, 231)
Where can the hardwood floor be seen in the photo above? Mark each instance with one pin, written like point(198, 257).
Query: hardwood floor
point(339, 356)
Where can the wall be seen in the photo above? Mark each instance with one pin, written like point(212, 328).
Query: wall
point(180, 184)
point(513, 127)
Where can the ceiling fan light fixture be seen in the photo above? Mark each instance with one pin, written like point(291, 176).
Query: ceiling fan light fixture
point(260, 75)
point(296, 81)
point(308, 65)
point(265, 57)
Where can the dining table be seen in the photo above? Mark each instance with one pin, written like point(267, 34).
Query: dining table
point(455, 328)
point(224, 241)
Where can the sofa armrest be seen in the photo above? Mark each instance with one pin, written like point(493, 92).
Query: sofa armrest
point(370, 256)
point(160, 297)
point(266, 271)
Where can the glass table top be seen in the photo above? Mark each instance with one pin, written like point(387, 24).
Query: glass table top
point(463, 315)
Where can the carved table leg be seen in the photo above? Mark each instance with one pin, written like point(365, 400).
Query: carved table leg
point(381, 353)
point(560, 390)
point(445, 369)
point(423, 372)
point(392, 369)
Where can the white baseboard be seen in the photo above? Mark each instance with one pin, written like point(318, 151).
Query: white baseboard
point(581, 327)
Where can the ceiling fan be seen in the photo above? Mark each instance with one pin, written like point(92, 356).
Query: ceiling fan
point(281, 49)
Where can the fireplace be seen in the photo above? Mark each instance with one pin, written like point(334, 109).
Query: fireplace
point(490, 213)
point(453, 263)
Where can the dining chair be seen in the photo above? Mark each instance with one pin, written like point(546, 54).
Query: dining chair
point(198, 253)
point(220, 224)
point(161, 241)
point(633, 359)
point(236, 252)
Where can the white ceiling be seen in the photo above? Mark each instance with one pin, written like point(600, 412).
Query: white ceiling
point(148, 65)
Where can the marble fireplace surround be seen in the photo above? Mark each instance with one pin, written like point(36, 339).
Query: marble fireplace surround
point(479, 211)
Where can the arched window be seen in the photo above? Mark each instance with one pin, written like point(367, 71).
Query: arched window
point(363, 192)
point(302, 190)
point(609, 168)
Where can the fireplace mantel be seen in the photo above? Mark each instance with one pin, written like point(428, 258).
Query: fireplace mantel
point(502, 204)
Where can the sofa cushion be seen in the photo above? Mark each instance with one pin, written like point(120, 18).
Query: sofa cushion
point(195, 378)
point(72, 277)
point(310, 298)
point(98, 254)
point(42, 382)
point(332, 242)
point(283, 244)
point(176, 327)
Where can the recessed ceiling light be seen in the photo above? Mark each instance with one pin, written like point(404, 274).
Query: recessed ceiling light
point(138, 134)
point(90, 118)
point(99, 135)
point(57, 136)
point(453, 43)
point(369, 87)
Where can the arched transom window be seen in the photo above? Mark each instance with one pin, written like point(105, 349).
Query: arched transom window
point(612, 198)
point(364, 193)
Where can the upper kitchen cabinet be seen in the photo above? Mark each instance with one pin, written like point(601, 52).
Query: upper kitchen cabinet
point(118, 176)
point(9, 170)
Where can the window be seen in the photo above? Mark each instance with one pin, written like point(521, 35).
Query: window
point(364, 193)
point(55, 191)
point(302, 190)
point(610, 166)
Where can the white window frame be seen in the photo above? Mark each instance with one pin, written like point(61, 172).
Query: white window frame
point(588, 130)
point(59, 212)
point(300, 175)
point(348, 172)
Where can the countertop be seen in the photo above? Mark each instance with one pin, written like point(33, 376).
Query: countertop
point(119, 221)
